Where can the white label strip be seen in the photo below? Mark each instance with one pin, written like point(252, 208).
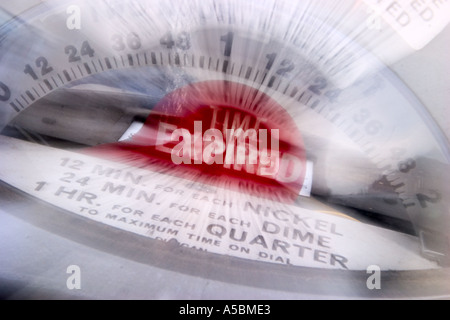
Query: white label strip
point(134, 128)
point(307, 181)
point(204, 217)
point(416, 21)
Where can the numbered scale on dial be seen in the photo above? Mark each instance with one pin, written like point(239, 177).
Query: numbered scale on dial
point(253, 137)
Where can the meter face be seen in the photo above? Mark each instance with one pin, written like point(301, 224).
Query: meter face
point(247, 142)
